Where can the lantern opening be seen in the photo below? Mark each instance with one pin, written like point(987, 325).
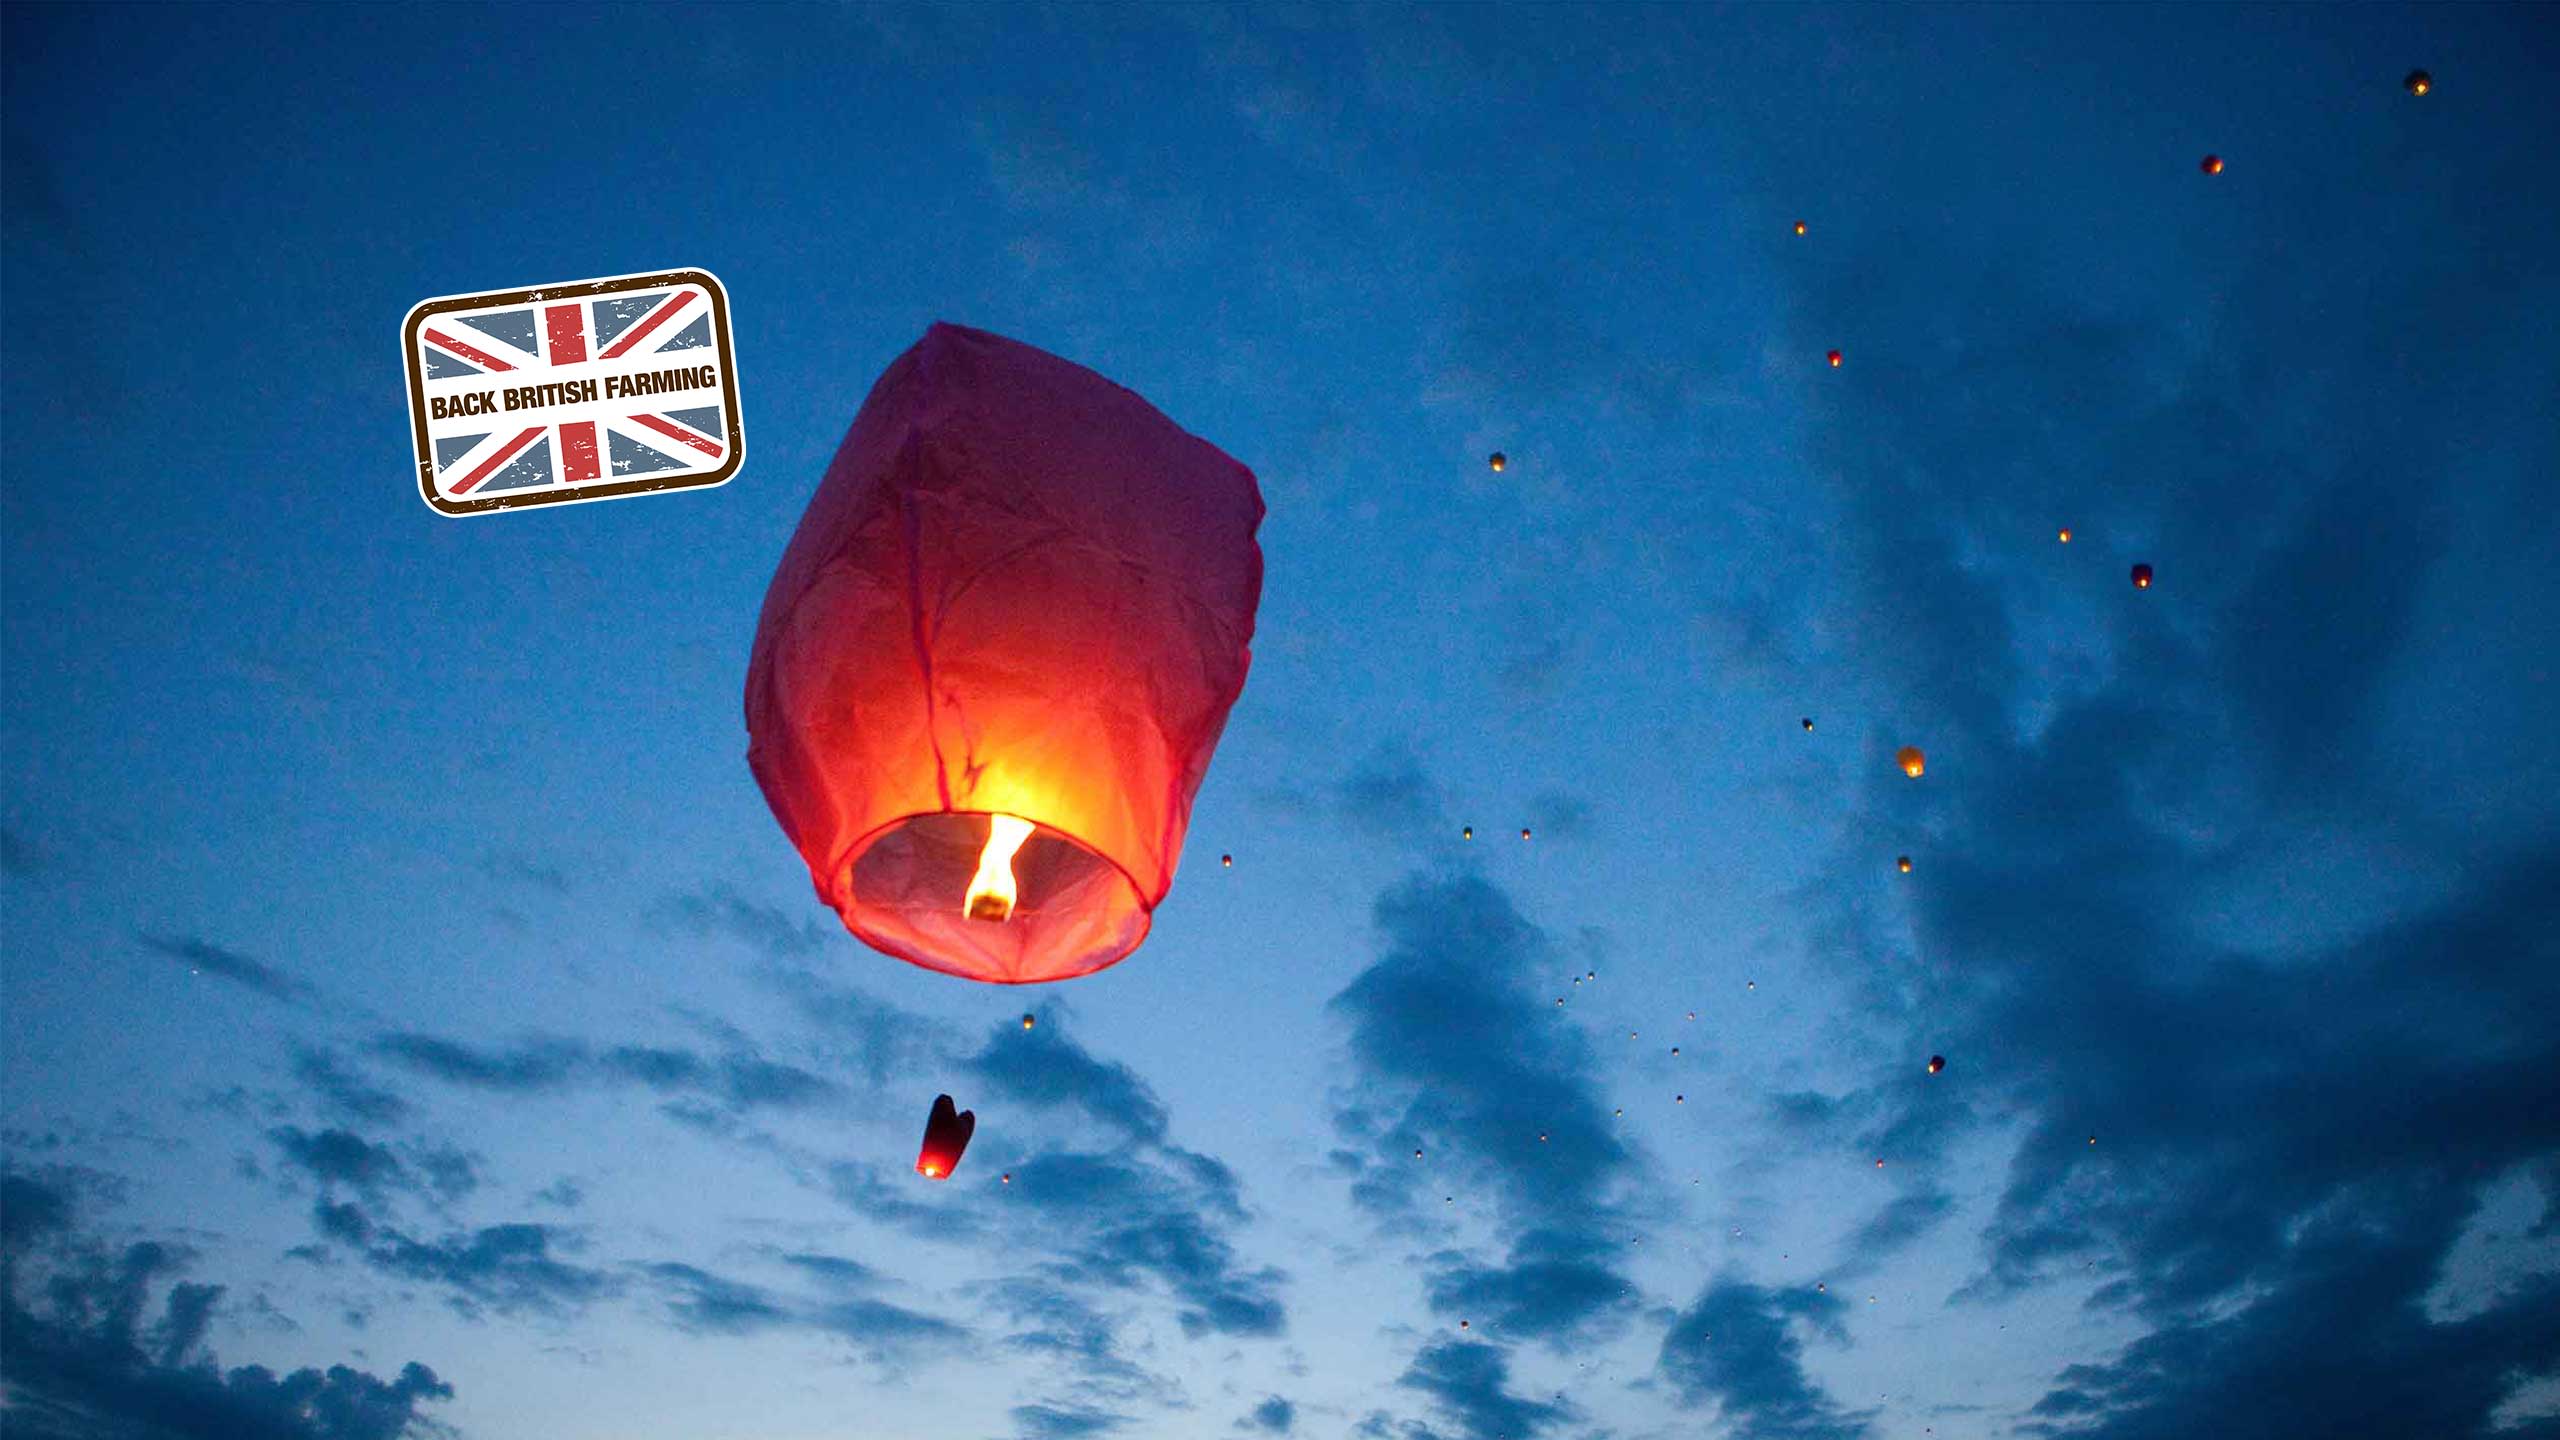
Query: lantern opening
point(912, 889)
point(992, 890)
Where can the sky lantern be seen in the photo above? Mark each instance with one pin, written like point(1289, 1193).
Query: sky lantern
point(1937, 1063)
point(1902, 863)
point(1524, 832)
point(1808, 723)
point(1913, 763)
point(2065, 536)
point(1799, 227)
point(1497, 460)
point(2142, 577)
point(1027, 1021)
point(1834, 357)
point(997, 656)
point(1466, 832)
point(1227, 861)
point(946, 1136)
point(2211, 165)
point(2419, 82)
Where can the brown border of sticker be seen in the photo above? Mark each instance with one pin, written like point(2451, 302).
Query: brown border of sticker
point(426, 310)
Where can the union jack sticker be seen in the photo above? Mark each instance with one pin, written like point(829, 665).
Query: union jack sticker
point(587, 390)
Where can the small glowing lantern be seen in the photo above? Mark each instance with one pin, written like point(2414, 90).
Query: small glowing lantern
point(2141, 577)
point(1466, 832)
point(2212, 165)
point(2066, 535)
point(1937, 1063)
point(1227, 862)
point(1799, 227)
point(2419, 82)
point(1027, 1021)
point(1808, 724)
point(1497, 460)
point(946, 1136)
point(1903, 864)
point(997, 656)
point(1524, 832)
point(1913, 763)
point(1835, 359)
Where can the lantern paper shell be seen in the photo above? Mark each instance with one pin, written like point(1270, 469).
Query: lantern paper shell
point(1020, 591)
point(1913, 763)
point(946, 1138)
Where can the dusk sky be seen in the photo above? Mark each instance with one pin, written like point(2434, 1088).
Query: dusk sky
point(416, 1022)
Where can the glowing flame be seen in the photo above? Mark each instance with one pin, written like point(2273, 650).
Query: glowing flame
point(929, 1169)
point(991, 890)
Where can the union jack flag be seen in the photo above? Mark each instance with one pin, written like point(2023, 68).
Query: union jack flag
point(573, 392)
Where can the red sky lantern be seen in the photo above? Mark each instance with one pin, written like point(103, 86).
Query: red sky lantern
point(2141, 577)
point(1834, 358)
point(1914, 763)
point(946, 1136)
point(997, 656)
point(2212, 165)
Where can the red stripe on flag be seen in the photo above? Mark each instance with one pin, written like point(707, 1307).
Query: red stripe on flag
point(578, 451)
point(507, 453)
point(656, 318)
point(568, 334)
point(476, 356)
point(677, 432)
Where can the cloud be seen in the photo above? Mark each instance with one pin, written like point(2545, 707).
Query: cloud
point(1042, 1067)
point(1465, 1381)
point(208, 958)
point(1739, 1347)
point(744, 1081)
point(1556, 1285)
point(1274, 1416)
point(707, 1303)
point(506, 1268)
point(89, 1365)
point(347, 1093)
point(1452, 1055)
point(1390, 794)
point(536, 1065)
point(340, 1157)
point(1119, 1221)
point(1063, 1422)
point(718, 911)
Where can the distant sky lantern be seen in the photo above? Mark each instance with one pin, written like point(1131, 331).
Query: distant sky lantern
point(2141, 577)
point(1227, 861)
point(1027, 1021)
point(946, 1136)
point(1524, 832)
point(2066, 535)
point(997, 656)
point(1835, 359)
point(2212, 165)
point(2419, 82)
point(1808, 722)
point(1937, 1063)
point(1913, 763)
point(1497, 460)
point(1903, 863)
point(1799, 227)
point(1466, 832)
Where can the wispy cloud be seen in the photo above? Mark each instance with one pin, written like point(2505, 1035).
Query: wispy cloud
point(207, 958)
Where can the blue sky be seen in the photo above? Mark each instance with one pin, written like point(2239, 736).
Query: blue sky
point(404, 974)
